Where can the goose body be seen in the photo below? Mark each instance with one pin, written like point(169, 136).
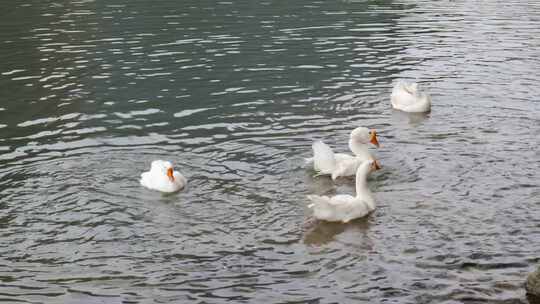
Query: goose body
point(326, 162)
point(408, 98)
point(162, 177)
point(344, 208)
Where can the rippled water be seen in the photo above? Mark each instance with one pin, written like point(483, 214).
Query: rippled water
point(234, 93)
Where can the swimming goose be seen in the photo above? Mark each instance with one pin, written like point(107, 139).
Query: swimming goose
point(343, 208)
point(408, 98)
point(162, 177)
point(325, 161)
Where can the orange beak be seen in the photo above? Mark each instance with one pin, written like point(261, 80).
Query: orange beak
point(376, 165)
point(373, 139)
point(170, 174)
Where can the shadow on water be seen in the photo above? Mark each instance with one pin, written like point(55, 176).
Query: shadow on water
point(404, 119)
point(322, 232)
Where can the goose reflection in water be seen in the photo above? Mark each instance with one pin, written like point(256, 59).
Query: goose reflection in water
point(319, 232)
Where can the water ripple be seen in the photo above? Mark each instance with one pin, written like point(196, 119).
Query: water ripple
point(234, 94)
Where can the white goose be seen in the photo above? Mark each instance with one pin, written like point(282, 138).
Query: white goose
point(325, 161)
point(162, 177)
point(343, 208)
point(408, 98)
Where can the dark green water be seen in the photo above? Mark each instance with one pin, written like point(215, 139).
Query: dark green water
point(234, 93)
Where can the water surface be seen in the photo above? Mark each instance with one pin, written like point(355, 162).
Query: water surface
point(234, 93)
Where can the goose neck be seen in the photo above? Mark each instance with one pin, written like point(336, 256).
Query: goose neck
point(361, 181)
point(359, 149)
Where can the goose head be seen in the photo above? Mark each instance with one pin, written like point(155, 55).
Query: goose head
point(163, 168)
point(374, 165)
point(363, 135)
point(369, 166)
point(411, 88)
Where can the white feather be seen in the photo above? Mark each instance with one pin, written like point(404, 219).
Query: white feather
point(326, 162)
point(408, 98)
point(323, 158)
point(346, 207)
point(157, 179)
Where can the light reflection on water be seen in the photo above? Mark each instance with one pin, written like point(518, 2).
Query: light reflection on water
point(234, 93)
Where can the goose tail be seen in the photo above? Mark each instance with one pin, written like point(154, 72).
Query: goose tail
point(322, 209)
point(323, 158)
